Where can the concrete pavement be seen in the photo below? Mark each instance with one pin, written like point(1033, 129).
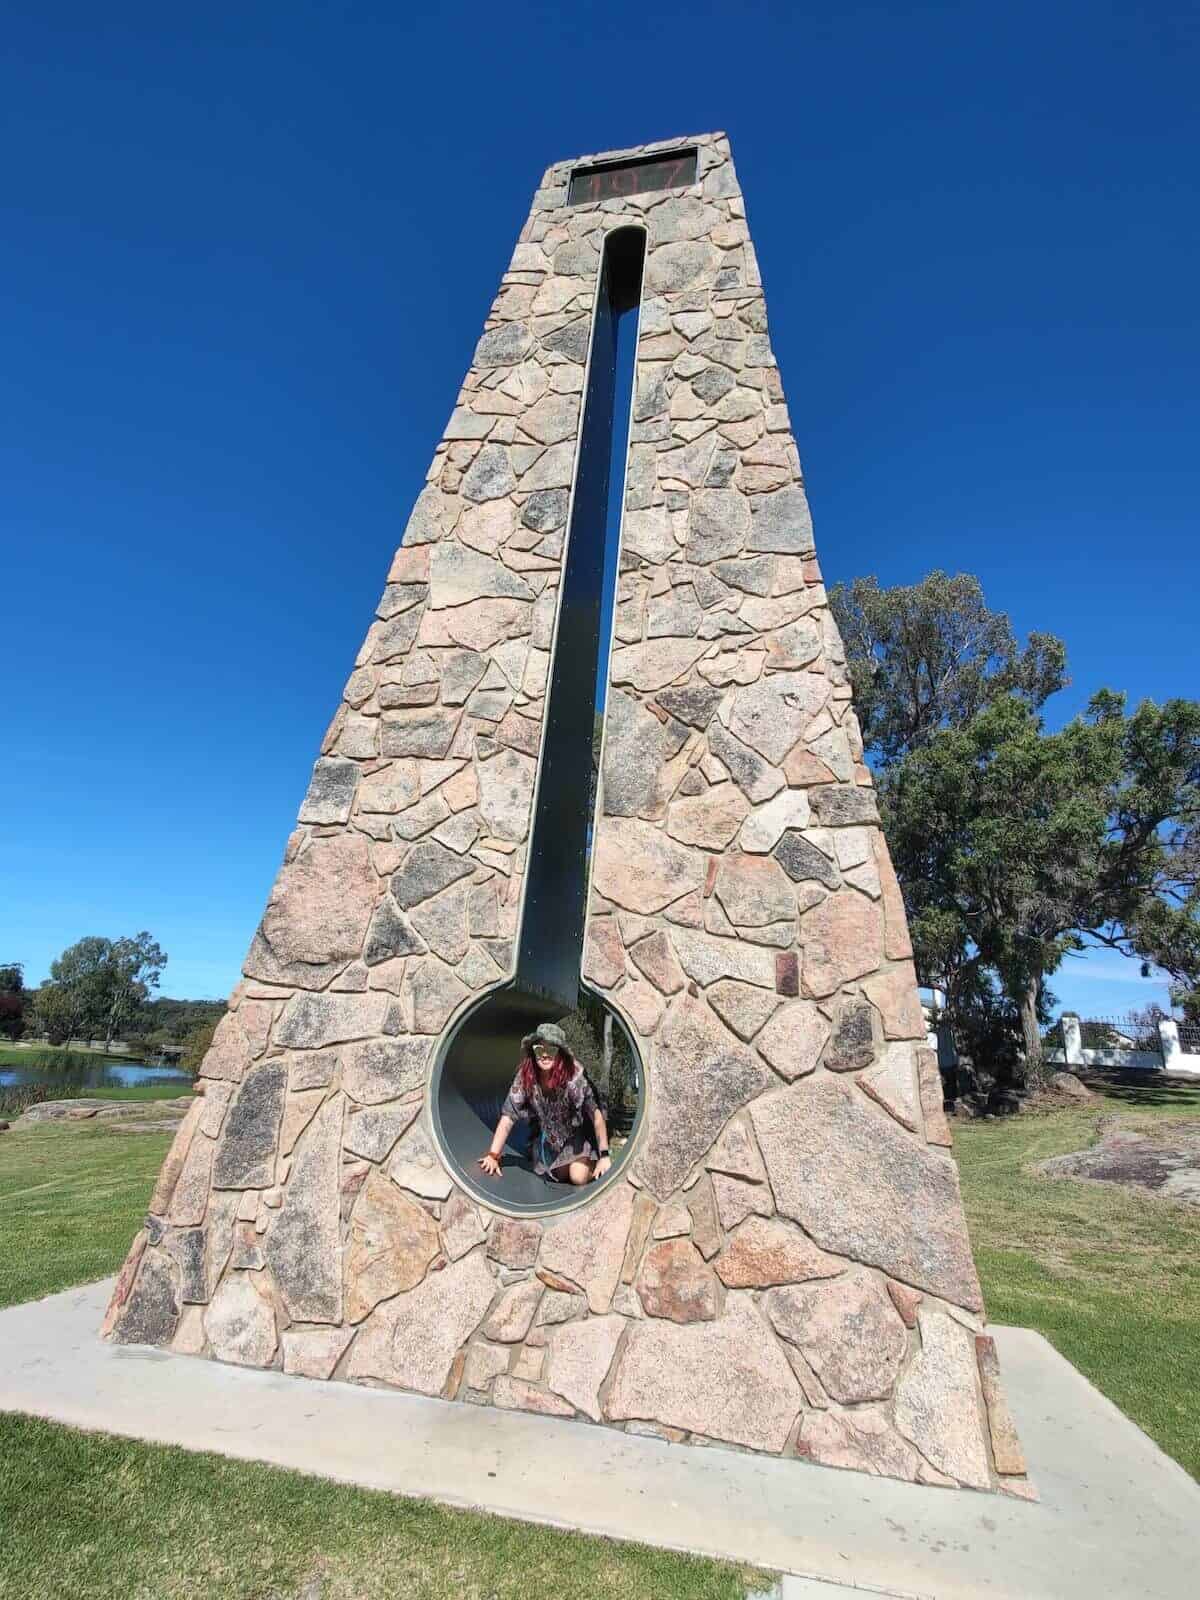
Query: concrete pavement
point(1117, 1517)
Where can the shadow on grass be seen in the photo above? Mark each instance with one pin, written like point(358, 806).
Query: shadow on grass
point(1144, 1089)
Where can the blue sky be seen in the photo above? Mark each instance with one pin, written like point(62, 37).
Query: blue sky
point(246, 251)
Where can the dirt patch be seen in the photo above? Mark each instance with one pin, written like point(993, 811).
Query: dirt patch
point(1166, 1163)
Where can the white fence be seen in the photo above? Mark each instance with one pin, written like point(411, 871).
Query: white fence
point(1170, 1057)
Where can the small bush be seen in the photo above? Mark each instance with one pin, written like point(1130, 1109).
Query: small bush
point(56, 1061)
point(16, 1098)
point(195, 1046)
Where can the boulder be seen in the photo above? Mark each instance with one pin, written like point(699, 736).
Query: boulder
point(710, 819)
point(150, 1312)
point(506, 792)
point(312, 1020)
point(636, 748)
point(514, 1241)
point(753, 890)
point(764, 1251)
point(862, 1440)
point(314, 1352)
point(379, 1070)
point(793, 1038)
point(512, 1315)
point(842, 940)
point(741, 1006)
point(893, 1083)
point(639, 868)
point(656, 957)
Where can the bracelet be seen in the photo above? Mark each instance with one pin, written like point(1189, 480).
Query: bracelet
point(603, 1155)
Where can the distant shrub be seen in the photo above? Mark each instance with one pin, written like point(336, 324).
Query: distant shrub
point(195, 1045)
point(18, 1097)
point(67, 1062)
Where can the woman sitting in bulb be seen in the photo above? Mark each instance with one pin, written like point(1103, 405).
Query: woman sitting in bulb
point(552, 1090)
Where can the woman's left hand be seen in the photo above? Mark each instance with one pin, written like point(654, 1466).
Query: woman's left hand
point(602, 1166)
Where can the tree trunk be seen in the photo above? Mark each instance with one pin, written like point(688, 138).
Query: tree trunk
point(1031, 1034)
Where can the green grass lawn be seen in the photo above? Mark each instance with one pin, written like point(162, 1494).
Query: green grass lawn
point(1110, 1275)
point(14, 1055)
point(71, 1198)
point(104, 1518)
point(111, 1519)
point(142, 1091)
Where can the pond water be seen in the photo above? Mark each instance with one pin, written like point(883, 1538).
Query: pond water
point(96, 1075)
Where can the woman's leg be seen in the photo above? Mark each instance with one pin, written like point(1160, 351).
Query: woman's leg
point(577, 1172)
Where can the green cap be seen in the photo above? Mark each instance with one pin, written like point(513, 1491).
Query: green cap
point(547, 1033)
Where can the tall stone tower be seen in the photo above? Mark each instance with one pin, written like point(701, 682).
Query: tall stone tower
point(778, 1260)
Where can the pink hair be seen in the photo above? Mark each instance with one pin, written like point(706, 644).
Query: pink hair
point(559, 1072)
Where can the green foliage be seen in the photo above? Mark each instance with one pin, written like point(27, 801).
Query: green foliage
point(56, 1013)
point(165, 1021)
point(607, 1060)
point(1014, 846)
point(134, 968)
point(97, 987)
point(13, 1000)
point(79, 980)
point(986, 1026)
point(930, 655)
point(16, 1098)
point(196, 1043)
point(1159, 819)
point(52, 1061)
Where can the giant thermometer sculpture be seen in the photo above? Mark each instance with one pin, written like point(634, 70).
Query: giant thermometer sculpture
point(778, 1259)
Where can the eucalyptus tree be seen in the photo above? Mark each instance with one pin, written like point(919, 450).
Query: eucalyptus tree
point(1016, 846)
point(931, 655)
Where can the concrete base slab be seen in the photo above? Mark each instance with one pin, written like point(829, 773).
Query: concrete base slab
point(1117, 1517)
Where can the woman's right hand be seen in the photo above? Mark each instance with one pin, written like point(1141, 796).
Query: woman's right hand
point(491, 1164)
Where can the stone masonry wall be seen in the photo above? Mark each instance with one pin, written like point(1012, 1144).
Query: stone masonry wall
point(782, 1265)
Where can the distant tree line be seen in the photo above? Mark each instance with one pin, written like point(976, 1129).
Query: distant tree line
point(1016, 846)
point(102, 989)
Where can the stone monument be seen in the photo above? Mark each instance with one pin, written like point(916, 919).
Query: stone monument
point(779, 1259)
